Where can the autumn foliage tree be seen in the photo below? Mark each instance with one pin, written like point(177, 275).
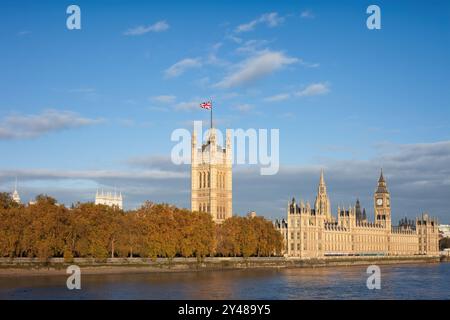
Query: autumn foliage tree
point(249, 236)
point(46, 229)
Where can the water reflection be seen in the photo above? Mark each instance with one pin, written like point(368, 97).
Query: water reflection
point(426, 281)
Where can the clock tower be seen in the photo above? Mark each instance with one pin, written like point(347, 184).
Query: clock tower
point(382, 203)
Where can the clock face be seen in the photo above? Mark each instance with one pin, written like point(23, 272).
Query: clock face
point(379, 202)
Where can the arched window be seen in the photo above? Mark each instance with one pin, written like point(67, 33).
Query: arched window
point(200, 180)
point(204, 180)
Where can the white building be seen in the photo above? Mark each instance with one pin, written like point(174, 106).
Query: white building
point(444, 230)
point(15, 194)
point(109, 199)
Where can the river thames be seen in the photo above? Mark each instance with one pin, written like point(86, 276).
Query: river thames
point(421, 281)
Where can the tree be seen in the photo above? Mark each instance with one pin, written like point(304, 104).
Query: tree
point(6, 201)
point(43, 198)
point(444, 243)
point(47, 229)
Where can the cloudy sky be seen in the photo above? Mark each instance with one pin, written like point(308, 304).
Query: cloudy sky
point(95, 108)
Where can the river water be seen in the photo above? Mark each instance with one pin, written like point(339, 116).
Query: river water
point(424, 281)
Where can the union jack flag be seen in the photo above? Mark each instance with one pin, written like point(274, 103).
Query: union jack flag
point(206, 105)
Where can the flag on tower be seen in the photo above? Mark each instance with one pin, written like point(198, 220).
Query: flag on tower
point(206, 105)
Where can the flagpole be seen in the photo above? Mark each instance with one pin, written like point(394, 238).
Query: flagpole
point(211, 114)
point(210, 151)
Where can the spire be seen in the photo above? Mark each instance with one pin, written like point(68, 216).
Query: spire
point(322, 189)
point(15, 195)
point(381, 179)
point(382, 186)
point(322, 203)
point(358, 213)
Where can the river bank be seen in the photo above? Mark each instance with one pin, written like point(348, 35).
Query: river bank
point(57, 266)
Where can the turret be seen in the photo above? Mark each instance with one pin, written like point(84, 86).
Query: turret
point(322, 204)
point(382, 203)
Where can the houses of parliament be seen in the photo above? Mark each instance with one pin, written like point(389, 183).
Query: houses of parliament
point(313, 232)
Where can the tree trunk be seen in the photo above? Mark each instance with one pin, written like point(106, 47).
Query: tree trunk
point(112, 249)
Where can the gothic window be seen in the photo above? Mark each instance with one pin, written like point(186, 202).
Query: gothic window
point(200, 180)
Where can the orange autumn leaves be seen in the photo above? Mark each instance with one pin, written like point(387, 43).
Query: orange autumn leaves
point(46, 230)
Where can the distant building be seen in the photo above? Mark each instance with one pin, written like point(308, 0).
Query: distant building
point(15, 195)
point(251, 214)
point(109, 199)
point(444, 230)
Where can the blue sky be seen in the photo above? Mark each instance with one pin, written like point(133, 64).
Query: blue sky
point(95, 107)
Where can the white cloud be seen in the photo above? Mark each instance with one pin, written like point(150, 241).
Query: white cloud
point(187, 105)
point(255, 68)
point(270, 19)
point(46, 174)
point(82, 90)
point(234, 38)
point(278, 97)
point(23, 33)
point(307, 14)
point(417, 176)
point(166, 99)
point(243, 107)
point(252, 46)
point(181, 66)
point(159, 26)
point(30, 126)
point(314, 90)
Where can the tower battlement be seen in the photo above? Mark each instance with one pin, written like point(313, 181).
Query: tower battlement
point(211, 177)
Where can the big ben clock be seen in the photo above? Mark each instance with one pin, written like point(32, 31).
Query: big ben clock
point(379, 202)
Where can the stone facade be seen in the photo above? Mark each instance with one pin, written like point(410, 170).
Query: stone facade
point(211, 177)
point(109, 199)
point(314, 233)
